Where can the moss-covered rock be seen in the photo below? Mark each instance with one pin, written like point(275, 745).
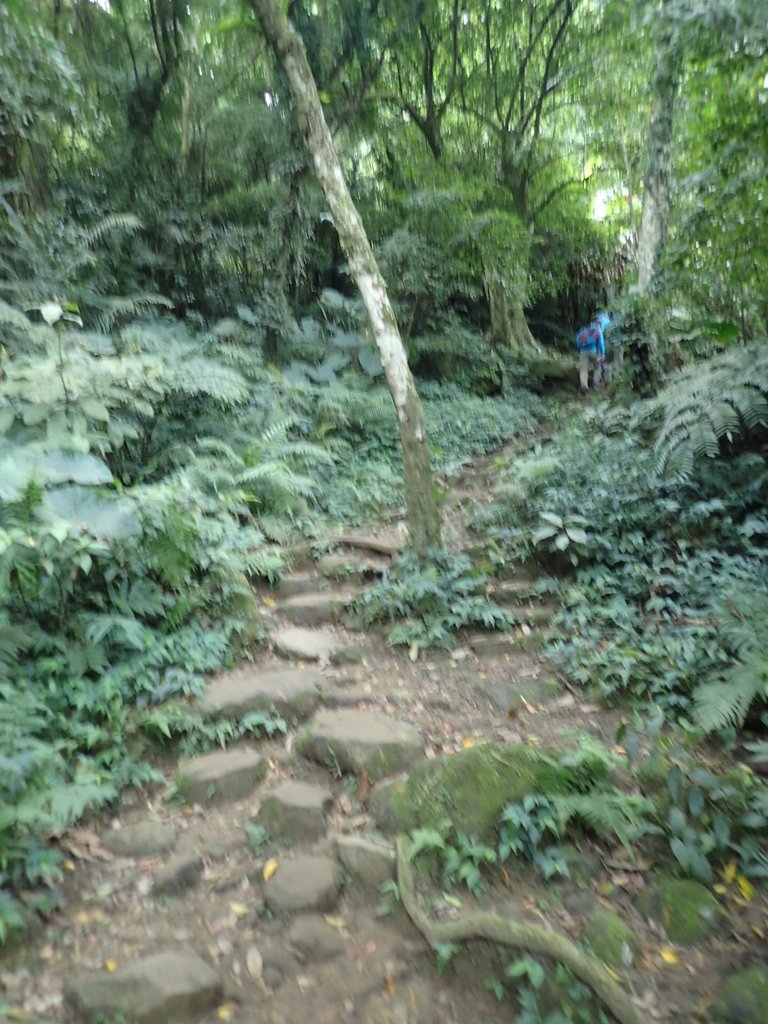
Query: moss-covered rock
point(611, 938)
point(470, 788)
point(687, 909)
point(743, 999)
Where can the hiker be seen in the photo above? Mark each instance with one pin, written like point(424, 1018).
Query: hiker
point(591, 345)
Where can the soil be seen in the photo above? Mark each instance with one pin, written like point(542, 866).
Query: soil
point(383, 970)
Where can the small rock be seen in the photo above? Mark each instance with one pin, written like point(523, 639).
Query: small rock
point(145, 839)
point(361, 741)
point(687, 909)
point(314, 937)
point(175, 985)
point(307, 882)
point(380, 803)
point(743, 999)
point(369, 861)
point(178, 874)
point(579, 903)
point(221, 777)
point(611, 938)
point(295, 810)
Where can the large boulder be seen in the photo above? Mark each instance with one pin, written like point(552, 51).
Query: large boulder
point(470, 788)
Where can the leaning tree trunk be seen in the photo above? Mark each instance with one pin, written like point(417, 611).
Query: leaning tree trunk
point(421, 503)
point(656, 191)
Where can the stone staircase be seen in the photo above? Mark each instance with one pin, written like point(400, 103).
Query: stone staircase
point(337, 724)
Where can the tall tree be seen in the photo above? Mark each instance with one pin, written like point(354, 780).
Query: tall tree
point(654, 222)
point(421, 504)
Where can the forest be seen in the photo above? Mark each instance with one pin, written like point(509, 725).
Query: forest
point(278, 275)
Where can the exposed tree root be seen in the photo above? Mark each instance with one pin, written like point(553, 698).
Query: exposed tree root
point(529, 937)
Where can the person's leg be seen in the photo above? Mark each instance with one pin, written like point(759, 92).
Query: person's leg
point(583, 370)
point(598, 365)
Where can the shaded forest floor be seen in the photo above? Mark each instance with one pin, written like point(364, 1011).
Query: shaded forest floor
point(193, 875)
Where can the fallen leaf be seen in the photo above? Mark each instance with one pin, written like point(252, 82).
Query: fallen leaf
point(226, 1011)
point(239, 909)
point(729, 872)
point(335, 922)
point(269, 869)
point(614, 974)
point(254, 963)
point(668, 955)
point(466, 744)
point(746, 888)
point(110, 966)
point(269, 601)
point(452, 901)
point(413, 651)
point(68, 865)
point(720, 889)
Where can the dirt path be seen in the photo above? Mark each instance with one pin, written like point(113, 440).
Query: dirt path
point(194, 870)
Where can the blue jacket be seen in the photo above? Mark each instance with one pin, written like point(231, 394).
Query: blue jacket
point(590, 337)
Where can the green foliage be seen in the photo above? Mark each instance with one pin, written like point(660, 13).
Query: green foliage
point(522, 828)
point(703, 817)
point(723, 398)
point(435, 595)
point(648, 612)
point(460, 858)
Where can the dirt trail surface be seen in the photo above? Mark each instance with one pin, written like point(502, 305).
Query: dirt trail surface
point(258, 887)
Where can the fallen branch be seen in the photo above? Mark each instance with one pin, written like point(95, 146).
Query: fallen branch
point(529, 937)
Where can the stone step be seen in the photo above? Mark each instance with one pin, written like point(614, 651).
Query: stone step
point(370, 860)
point(535, 614)
point(315, 645)
point(314, 609)
point(508, 694)
point(293, 584)
point(496, 645)
point(221, 777)
point(295, 811)
point(291, 692)
point(360, 741)
point(307, 882)
point(173, 985)
point(390, 542)
point(344, 566)
point(512, 591)
point(142, 839)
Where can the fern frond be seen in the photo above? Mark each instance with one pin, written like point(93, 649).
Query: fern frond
point(725, 397)
point(722, 703)
point(605, 813)
point(127, 222)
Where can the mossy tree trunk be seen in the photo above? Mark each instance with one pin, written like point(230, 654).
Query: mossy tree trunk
point(421, 504)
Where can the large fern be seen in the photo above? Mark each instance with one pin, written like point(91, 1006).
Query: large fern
point(726, 700)
point(724, 397)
